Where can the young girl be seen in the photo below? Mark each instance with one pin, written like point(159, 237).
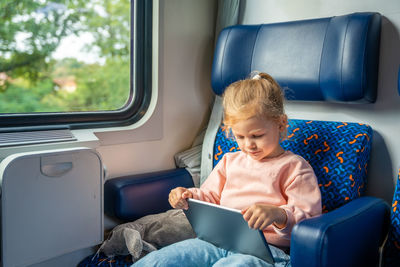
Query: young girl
point(273, 188)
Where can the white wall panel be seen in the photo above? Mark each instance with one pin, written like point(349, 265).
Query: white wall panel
point(186, 38)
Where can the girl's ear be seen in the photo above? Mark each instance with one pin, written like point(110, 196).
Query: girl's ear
point(283, 121)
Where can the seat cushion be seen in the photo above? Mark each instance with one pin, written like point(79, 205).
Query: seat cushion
point(337, 151)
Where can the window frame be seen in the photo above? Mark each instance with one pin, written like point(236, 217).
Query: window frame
point(140, 87)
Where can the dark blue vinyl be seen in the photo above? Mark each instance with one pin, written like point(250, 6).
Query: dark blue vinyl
point(328, 59)
point(131, 197)
point(348, 236)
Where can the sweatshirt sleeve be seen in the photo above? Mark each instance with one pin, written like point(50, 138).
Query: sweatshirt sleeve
point(303, 198)
point(211, 189)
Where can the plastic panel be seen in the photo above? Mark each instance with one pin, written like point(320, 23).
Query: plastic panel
point(52, 204)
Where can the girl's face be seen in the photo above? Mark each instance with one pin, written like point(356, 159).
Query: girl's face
point(259, 138)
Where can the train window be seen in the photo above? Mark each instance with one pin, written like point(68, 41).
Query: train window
point(73, 62)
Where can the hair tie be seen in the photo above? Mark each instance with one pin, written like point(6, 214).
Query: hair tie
point(256, 77)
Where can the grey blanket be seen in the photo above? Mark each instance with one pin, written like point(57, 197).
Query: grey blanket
point(147, 234)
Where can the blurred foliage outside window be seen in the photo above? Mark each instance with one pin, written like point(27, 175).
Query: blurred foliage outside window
point(64, 55)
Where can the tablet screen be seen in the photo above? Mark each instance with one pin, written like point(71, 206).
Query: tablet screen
point(226, 228)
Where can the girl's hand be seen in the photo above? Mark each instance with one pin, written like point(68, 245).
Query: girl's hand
point(177, 198)
point(259, 216)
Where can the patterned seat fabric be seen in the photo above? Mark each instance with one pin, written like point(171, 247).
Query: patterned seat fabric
point(337, 151)
point(391, 254)
point(104, 261)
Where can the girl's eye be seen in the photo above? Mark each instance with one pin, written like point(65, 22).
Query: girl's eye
point(239, 137)
point(258, 136)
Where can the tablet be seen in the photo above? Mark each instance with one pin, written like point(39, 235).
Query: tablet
point(226, 228)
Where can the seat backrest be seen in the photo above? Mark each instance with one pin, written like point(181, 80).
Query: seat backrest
point(337, 151)
point(329, 59)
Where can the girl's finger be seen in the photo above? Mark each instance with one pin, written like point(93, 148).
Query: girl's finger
point(247, 215)
point(257, 224)
point(243, 211)
point(264, 225)
point(251, 222)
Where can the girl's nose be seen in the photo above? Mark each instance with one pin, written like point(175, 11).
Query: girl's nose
point(250, 144)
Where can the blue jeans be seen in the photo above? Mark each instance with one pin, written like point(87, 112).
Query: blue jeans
point(199, 253)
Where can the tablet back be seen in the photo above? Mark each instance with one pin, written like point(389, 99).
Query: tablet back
point(226, 229)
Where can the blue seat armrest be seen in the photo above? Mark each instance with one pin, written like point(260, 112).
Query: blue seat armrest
point(131, 197)
point(348, 236)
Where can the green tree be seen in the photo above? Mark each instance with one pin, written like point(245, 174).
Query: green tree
point(111, 28)
point(31, 30)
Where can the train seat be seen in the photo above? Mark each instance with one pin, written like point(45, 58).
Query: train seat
point(328, 59)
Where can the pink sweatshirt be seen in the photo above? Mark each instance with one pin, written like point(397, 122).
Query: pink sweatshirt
point(286, 181)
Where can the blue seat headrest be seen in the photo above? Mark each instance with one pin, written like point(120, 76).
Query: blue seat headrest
point(327, 59)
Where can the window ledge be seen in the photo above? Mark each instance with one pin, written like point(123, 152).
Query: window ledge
point(82, 138)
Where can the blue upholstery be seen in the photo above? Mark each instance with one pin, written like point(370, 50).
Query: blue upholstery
point(392, 246)
point(348, 236)
point(131, 197)
point(338, 152)
point(331, 59)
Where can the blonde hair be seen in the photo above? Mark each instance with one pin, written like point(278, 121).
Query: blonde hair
point(259, 96)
